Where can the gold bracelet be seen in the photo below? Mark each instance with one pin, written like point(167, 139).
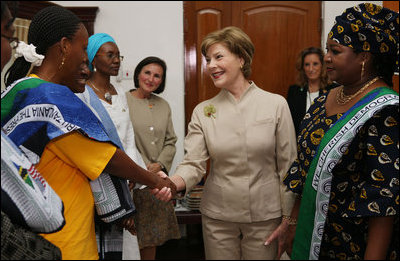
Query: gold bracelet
point(291, 221)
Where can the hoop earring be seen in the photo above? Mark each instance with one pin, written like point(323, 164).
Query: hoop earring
point(62, 63)
point(362, 69)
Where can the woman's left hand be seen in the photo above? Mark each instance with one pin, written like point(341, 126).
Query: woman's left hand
point(128, 224)
point(279, 233)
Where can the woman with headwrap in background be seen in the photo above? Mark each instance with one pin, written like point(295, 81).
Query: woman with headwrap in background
point(111, 106)
point(347, 171)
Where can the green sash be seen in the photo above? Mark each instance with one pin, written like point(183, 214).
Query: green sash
point(316, 192)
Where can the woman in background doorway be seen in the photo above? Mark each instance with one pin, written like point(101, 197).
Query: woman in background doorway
point(312, 81)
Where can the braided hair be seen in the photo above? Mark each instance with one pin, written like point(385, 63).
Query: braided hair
point(48, 26)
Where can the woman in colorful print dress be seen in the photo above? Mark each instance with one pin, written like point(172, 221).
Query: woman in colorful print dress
point(347, 170)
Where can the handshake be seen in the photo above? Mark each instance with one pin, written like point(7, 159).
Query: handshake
point(161, 186)
point(165, 189)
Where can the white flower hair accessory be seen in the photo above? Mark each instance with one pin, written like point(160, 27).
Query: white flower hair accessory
point(29, 53)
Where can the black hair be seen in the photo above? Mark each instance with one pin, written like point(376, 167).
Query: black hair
point(48, 27)
point(146, 61)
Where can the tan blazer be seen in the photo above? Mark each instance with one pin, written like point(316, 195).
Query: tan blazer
point(251, 144)
point(154, 132)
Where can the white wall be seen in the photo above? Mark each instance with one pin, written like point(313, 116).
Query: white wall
point(148, 28)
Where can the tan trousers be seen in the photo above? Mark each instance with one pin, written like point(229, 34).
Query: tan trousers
point(236, 241)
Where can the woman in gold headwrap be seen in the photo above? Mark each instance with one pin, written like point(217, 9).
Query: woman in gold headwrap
point(346, 175)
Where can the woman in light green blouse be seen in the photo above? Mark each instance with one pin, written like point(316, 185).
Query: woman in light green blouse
point(155, 139)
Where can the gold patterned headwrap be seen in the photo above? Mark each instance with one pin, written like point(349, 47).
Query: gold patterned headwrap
point(368, 28)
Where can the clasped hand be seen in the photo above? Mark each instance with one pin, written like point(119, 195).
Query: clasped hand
point(128, 224)
point(168, 188)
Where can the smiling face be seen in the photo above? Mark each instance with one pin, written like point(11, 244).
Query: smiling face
point(107, 59)
point(150, 77)
point(312, 66)
point(223, 66)
point(343, 65)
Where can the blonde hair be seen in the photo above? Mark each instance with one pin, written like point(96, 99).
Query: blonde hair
point(236, 41)
point(302, 79)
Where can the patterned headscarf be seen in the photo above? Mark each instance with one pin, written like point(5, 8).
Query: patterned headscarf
point(94, 44)
point(368, 28)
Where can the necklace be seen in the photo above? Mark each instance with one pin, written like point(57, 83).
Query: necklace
point(107, 95)
point(342, 98)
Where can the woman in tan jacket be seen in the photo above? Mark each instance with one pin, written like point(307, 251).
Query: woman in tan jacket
point(248, 135)
point(155, 139)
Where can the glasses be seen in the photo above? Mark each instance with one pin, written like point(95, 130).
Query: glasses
point(111, 56)
point(12, 40)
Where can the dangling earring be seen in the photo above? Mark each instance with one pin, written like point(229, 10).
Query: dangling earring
point(62, 63)
point(362, 69)
point(94, 69)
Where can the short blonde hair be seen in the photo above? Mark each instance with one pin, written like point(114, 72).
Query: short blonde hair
point(236, 41)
